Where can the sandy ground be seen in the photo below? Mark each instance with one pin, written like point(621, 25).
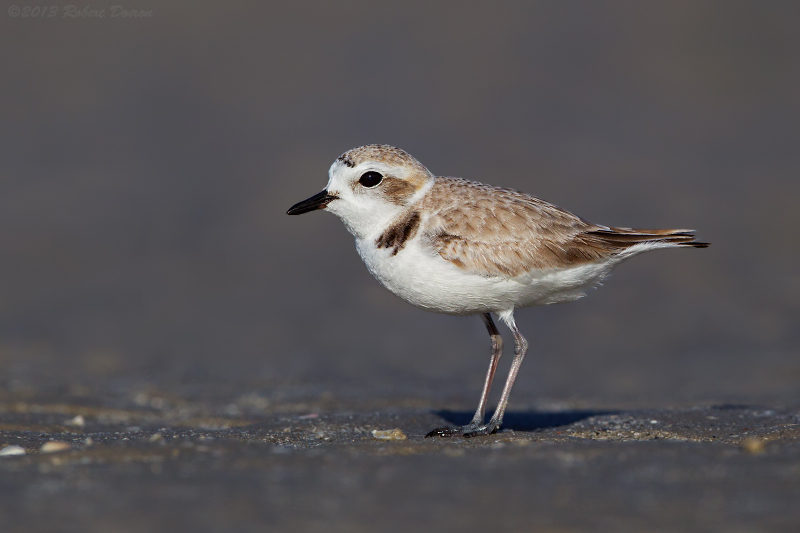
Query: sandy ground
point(161, 463)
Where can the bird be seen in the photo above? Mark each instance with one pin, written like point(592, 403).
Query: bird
point(463, 248)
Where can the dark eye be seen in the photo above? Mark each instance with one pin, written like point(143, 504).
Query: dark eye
point(370, 179)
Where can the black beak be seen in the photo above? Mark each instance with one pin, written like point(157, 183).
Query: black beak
point(318, 201)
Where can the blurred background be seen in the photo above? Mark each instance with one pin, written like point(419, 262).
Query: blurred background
point(146, 165)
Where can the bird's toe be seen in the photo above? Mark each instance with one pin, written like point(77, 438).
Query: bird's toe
point(470, 430)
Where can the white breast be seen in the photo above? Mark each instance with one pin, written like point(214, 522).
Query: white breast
point(422, 278)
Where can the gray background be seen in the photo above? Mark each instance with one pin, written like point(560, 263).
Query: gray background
point(146, 166)
point(230, 362)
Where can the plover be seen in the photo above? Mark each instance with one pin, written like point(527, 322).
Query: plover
point(464, 248)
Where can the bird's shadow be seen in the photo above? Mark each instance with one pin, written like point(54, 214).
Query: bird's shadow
point(526, 420)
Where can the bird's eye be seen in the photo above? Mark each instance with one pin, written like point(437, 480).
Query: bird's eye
point(370, 179)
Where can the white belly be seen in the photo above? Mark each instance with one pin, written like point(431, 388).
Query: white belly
point(424, 279)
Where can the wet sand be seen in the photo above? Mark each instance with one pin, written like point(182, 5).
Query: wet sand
point(161, 463)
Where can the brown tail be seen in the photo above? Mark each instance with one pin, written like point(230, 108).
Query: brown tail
point(625, 237)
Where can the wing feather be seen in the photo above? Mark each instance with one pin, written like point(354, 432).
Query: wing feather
point(493, 231)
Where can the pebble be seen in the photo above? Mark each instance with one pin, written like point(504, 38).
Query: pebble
point(389, 434)
point(754, 445)
point(55, 446)
point(78, 421)
point(12, 450)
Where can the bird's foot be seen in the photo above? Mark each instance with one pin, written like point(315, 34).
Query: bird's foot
point(470, 430)
point(486, 429)
point(448, 431)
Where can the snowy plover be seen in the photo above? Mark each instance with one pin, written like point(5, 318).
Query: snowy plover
point(465, 248)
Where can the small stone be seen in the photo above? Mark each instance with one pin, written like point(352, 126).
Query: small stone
point(78, 421)
point(12, 450)
point(389, 434)
point(156, 437)
point(55, 446)
point(754, 445)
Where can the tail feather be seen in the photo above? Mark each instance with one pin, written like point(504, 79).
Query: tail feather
point(622, 238)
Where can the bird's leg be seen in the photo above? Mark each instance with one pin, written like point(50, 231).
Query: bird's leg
point(520, 348)
point(497, 351)
point(477, 420)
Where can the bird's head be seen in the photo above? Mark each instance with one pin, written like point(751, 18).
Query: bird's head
point(368, 187)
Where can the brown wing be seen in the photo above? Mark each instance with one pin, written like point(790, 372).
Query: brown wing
point(501, 232)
